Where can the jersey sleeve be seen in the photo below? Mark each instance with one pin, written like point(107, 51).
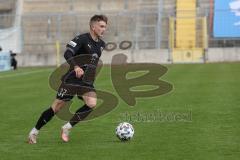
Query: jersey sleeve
point(74, 45)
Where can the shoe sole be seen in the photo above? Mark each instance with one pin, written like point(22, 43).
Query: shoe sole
point(30, 141)
point(63, 138)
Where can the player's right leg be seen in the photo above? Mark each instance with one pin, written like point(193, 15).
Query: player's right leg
point(62, 97)
point(45, 117)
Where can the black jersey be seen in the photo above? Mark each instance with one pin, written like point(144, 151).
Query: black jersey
point(84, 44)
point(84, 52)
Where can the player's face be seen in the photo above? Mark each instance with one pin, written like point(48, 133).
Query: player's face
point(99, 28)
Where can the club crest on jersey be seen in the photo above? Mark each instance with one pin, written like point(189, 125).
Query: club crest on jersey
point(89, 46)
point(73, 44)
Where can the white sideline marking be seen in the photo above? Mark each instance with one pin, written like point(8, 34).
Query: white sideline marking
point(24, 73)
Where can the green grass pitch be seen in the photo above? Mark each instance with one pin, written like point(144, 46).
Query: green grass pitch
point(209, 93)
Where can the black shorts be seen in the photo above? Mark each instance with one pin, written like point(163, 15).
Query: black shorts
point(67, 91)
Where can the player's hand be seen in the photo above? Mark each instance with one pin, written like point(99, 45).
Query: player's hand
point(79, 71)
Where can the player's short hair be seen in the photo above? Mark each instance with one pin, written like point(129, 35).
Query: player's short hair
point(97, 18)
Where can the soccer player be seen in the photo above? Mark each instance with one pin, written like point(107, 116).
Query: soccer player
point(85, 44)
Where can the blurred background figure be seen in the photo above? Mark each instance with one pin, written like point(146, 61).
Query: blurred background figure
point(13, 60)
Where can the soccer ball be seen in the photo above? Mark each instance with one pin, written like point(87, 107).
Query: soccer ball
point(124, 131)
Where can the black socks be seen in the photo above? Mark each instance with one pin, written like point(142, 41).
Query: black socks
point(80, 114)
point(44, 118)
point(47, 115)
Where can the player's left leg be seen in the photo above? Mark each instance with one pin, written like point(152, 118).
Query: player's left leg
point(90, 100)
